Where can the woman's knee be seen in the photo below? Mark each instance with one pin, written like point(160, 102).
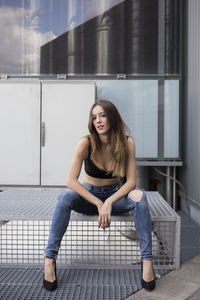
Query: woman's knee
point(136, 195)
point(67, 198)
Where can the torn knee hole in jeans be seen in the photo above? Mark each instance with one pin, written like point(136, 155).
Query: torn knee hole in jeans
point(136, 195)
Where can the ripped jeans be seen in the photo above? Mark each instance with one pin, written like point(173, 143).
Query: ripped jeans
point(70, 200)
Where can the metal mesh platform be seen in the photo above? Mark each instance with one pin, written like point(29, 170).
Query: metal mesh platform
point(25, 221)
point(39, 204)
point(73, 284)
point(28, 204)
point(26, 284)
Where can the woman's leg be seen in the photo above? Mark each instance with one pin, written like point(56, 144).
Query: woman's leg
point(67, 201)
point(60, 220)
point(142, 220)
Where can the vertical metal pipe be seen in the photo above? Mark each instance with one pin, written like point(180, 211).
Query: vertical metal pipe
point(161, 37)
point(75, 39)
point(141, 38)
point(174, 188)
point(172, 37)
point(168, 187)
point(161, 84)
point(109, 40)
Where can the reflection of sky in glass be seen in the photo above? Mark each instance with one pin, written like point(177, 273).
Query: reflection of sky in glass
point(29, 24)
point(63, 15)
point(11, 3)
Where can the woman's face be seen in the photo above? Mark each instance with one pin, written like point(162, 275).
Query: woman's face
point(100, 120)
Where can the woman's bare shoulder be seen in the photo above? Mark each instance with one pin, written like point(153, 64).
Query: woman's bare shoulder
point(85, 140)
point(82, 146)
point(131, 145)
point(131, 140)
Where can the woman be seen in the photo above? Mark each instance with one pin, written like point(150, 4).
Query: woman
point(108, 155)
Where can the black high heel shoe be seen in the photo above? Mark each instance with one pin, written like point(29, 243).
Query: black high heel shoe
point(147, 285)
point(51, 286)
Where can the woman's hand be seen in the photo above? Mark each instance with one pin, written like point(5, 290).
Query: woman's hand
point(104, 214)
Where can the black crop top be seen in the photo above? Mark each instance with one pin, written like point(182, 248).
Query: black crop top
point(92, 170)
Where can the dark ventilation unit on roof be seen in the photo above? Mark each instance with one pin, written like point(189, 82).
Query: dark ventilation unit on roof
point(122, 40)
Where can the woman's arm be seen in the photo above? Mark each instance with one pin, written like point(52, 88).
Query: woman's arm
point(105, 211)
point(81, 153)
point(130, 174)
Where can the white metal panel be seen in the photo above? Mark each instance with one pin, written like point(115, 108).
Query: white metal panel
point(20, 133)
point(65, 113)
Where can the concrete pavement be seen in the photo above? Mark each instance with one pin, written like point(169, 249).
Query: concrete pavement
point(182, 284)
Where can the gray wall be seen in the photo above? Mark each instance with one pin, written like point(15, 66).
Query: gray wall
point(190, 173)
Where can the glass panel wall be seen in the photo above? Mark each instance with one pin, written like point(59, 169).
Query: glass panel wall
point(171, 119)
point(137, 101)
point(81, 37)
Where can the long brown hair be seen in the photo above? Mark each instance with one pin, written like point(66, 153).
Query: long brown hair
point(118, 139)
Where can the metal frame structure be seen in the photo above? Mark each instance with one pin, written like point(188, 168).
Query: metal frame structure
point(25, 221)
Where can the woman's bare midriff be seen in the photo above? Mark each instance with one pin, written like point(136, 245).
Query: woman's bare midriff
point(100, 181)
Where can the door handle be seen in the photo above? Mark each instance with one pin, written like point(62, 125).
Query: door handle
point(43, 134)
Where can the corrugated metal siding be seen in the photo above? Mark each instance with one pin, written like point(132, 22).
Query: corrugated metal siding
point(191, 117)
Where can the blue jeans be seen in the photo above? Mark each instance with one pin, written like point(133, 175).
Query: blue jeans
point(70, 200)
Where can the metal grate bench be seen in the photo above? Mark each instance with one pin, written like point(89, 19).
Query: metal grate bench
point(25, 218)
